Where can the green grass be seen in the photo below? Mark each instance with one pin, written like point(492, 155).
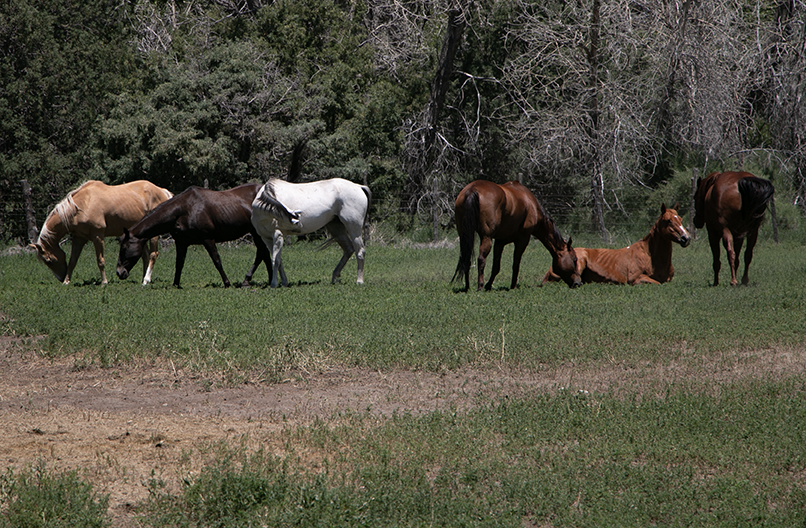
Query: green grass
point(570, 459)
point(407, 315)
point(686, 455)
point(38, 497)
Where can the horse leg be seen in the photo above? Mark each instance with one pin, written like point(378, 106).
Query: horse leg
point(498, 250)
point(727, 241)
point(150, 259)
point(181, 254)
point(713, 240)
point(645, 279)
point(520, 247)
point(212, 250)
point(360, 250)
point(261, 255)
point(347, 252)
point(752, 237)
point(485, 246)
point(276, 257)
point(75, 252)
point(98, 242)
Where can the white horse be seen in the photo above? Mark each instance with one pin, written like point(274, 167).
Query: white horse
point(282, 208)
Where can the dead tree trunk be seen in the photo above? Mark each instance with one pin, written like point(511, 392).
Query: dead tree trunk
point(30, 217)
point(597, 177)
point(420, 146)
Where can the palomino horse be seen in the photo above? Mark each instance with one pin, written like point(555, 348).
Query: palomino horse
point(93, 212)
point(507, 213)
point(648, 261)
point(732, 206)
point(282, 208)
point(197, 216)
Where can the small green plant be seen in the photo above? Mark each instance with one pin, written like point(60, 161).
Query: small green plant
point(42, 498)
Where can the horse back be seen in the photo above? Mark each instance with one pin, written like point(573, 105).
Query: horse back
point(109, 209)
point(505, 212)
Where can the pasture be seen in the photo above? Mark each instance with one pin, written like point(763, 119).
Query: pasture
point(679, 404)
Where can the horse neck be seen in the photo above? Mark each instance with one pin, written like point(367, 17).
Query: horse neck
point(53, 230)
point(660, 249)
point(159, 222)
point(546, 232)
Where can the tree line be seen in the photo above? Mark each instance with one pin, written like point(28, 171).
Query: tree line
point(602, 107)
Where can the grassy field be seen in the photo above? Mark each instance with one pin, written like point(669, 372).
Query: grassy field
point(407, 315)
point(690, 456)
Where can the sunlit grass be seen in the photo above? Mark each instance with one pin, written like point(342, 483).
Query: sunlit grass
point(406, 315)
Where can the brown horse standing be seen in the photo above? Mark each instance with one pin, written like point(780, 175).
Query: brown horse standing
point(732, 206)
point(508, 213)
point(197, 216)
point(648, 261)
point(91, 213)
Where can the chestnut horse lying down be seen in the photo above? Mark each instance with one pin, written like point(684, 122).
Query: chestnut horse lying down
point(648, 261)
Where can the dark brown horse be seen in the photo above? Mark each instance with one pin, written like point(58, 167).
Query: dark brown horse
point(731, 205)
point(508, 213)
point(197, 216)
point(648, 261)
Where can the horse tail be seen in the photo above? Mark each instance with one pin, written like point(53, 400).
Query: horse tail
point(267, 201)
point(467, 233)
point(756, 193)
point(364, 230)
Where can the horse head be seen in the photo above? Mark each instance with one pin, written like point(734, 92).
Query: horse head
point(131, 250)
point(53, 257)
point(564, 264)
point(670, 226)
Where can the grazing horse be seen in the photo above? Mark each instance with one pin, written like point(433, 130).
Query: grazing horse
point(508, 213)
point(93, 212)
point(648, 261)
point(732, 206)
point(197, 216)
point(282, 208)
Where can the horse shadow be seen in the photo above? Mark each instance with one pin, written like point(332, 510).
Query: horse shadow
point(262, 285)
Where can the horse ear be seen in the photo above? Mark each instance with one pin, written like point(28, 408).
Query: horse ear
point(676, 206)
point(662, 208)
point(568, 244)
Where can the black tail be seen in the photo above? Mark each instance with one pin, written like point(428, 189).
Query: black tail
point(467, 234)
point(756, 193)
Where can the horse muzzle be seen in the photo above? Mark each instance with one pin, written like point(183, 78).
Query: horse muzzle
point(123, 273)
point(684, 241)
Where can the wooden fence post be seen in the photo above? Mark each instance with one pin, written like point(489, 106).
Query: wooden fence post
point(30, 217)
point(692, 205)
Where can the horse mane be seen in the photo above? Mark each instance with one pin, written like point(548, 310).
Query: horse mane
point(66, 210)
point(267, 200)
point(547, 223)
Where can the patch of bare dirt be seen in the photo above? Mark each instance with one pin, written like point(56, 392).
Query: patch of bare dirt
point(123, 426)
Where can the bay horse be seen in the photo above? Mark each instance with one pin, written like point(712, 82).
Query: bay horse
point(648, 261)
point(340, 206)
point(507, 213)
point(196, 216)
point(93, 212)
point(732, 206)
